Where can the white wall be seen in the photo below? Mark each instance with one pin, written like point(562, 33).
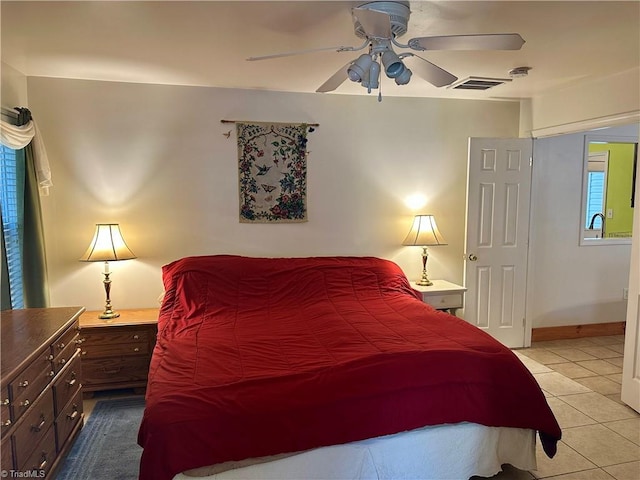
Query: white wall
point(13, 89)
point(154, 159)
point(572, 285)
point(581, 106)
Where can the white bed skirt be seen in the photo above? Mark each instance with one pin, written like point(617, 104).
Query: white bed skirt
point(440, 452)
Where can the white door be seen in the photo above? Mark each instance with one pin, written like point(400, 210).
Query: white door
point(498, 199)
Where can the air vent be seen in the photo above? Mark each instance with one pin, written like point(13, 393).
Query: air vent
point(478, 83)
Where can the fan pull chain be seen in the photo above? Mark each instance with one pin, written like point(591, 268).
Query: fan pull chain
point(380, 86)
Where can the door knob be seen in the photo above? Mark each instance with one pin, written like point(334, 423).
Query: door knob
point(472, 257)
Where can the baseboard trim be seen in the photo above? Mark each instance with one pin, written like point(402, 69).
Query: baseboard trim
point(577, 331)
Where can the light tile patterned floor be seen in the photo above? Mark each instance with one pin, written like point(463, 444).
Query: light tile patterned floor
point(600, 435)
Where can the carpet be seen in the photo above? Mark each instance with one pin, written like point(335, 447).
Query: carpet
point(106, 447)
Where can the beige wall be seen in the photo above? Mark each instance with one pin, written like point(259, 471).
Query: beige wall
point(13, 89)
point(600, 102)
point(154, 159)
point(571, 284)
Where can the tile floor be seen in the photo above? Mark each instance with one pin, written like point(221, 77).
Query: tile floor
point(581, 379)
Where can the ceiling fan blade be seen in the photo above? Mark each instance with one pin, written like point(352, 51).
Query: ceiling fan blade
point(335, 80)
point(300, 52)
point(375, 24)
point(496, 41)
point(430, 72)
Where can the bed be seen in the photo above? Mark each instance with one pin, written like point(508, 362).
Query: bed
point(328, 367)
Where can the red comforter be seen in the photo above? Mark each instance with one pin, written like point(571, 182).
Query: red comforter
point(260, 356)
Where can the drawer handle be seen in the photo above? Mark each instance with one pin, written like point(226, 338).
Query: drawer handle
point(6, 423)
point(84, 352)
point(80, 341)
point(72, 382)
point(5, 401)
point(62, 361)
point(24, 384)
point(43, 461)
point(136, 337)
point(74, 414)
point(136, 349)
point(37, 428)
point(50, 357)
point(52, 373)
point(109, 372)
point(61, 345)
point(26, 403)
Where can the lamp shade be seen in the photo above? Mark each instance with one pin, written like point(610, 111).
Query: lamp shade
point(107, 245)
point(424, 232)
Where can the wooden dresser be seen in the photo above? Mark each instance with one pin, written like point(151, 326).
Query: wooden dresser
point(116, 353)
point(41, 392)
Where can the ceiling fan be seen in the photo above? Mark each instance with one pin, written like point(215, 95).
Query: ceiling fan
point(380, 23)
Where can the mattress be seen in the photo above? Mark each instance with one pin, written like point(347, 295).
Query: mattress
point(432, 453)
point(258, 357)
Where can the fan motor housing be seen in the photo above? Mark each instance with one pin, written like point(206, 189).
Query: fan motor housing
point(398, 12)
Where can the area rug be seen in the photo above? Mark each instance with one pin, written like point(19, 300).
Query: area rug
point(106, 447)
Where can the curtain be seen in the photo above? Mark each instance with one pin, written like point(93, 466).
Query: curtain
point(5, 292)
point(32, 161)
point(34, 265)
point(21, 135)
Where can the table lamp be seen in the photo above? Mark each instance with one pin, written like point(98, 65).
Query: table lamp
point(424, 233)
point(107, 246)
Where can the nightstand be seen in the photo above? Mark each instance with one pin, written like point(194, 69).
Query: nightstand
point(442, 295)
point(116, 354)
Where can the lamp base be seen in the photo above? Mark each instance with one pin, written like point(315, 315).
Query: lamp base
point(424, 280)
point(108, 315)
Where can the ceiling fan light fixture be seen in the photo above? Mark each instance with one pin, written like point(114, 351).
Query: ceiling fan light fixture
point(404, 77)
point(393, 65)
point(357, 70)
point(371, 80)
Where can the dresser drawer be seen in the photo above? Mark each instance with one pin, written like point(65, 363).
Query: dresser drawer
point(64, 355)
point(5, 411)
point(112, 349)
point(68, 418)
point(116, 335)
point(6, 454)
point(43, 455)
point(114, 370)
point(66, 339)
point(29, 384)
point(67, 383)
point(453, 300)
point(33, 427)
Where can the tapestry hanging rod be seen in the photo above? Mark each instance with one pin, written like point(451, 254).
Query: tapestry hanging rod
point(244, 121)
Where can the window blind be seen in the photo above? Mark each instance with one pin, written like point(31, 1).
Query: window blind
point(10, 177)
point(595, 198)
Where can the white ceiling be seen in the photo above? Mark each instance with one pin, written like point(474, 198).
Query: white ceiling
point(206, 43)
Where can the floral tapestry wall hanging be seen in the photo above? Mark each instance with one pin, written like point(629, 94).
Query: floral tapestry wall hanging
point(272, 165)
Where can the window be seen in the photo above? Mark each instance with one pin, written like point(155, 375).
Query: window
point(596, 189)
point(11, 179)
point(595, 199)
